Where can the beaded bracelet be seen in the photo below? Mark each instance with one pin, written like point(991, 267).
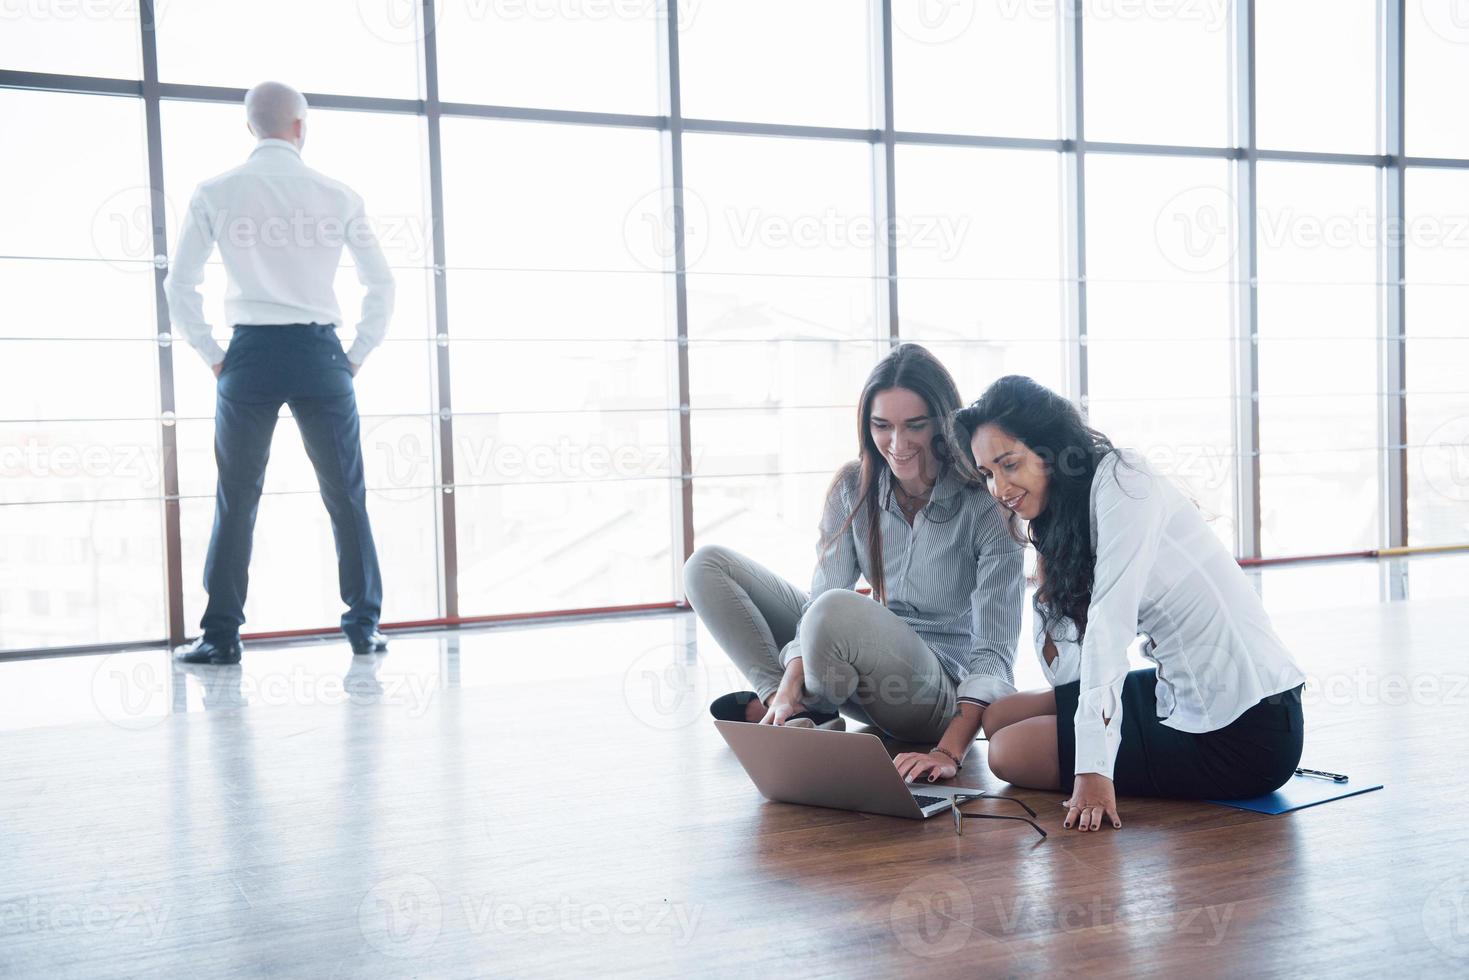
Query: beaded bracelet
point(943, 751)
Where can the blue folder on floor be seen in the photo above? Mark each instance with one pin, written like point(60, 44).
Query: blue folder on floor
point(1299, 793)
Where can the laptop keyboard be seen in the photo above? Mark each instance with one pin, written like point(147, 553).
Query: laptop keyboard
point(924, 802)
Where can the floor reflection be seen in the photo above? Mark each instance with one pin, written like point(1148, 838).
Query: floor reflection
point(670, 666)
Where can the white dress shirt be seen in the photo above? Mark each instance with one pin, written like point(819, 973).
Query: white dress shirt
point(955, 575)
point(1162, 572)
point(1067, 665)
point(280, 227)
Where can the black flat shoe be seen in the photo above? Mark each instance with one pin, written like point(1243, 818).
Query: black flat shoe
point(817, 719)
point(373, 642)
point(731, 707)
point(203, 651)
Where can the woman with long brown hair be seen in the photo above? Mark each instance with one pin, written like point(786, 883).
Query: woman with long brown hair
point(1122, 553)
point(935, 643)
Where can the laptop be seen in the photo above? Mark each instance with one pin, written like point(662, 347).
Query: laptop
point(840, 770)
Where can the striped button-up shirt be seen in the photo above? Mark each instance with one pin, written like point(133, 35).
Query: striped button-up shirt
point(955, 575)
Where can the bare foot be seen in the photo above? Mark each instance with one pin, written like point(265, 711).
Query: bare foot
point(755, 710)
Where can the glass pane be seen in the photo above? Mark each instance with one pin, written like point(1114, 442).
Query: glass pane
point(1189, 440)
point(564, 447)
point(1437, 75)
point(566, 546)
point(783, 316)
point(753, 307)
point(80, 573)
point(562, 376)
point(978, 214)
point(78, 379)
point(979, 261)
point(1130, 47)
point(945, 53)
point(976, 363)
point(1436, 229)
point(595, 57)
point(1160, 247)
point(1438, 309)
point(72, 39)
point(776, 373)
point(779, 206)
point(72, 461)
point(523, 195)
point(1161, 219)
point(1144, 369)
point(1437, 348)
point(57, 197)
point(64, 300)
point(356, 48)
point(777, 62)
point(774, 442)
point(293, 561)
point(1317, 241)
point(1438, 458)
point(773, 519)
point(1317, 499)
point(997, 312)
point(1312, 95)
point(555, 305)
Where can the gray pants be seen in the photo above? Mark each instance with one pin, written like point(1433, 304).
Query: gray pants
point(860, 657)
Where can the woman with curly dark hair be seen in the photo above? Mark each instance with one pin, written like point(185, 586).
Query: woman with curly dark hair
point(935, 643)
point(1122, 553)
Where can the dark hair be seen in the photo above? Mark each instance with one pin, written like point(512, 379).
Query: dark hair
point(914, 368)
point(1053, 429)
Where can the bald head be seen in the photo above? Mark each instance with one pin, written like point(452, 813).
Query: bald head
point(273, 109)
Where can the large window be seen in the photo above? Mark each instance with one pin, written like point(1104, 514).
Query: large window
point(783, 331)
point(1129, 49)
point(1318, 347)
point(565, 436)
point(1160, 246)
point(1437, 243)
point(1204, 261)
point(81, 541)
point(980, 261)
point(1315, 95)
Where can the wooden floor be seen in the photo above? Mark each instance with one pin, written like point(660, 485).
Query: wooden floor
point(488, 821)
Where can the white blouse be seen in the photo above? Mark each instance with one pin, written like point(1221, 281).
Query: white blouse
point(1067, 665)
point(1160, 571)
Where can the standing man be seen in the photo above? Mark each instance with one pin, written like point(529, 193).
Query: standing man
point(280, 228)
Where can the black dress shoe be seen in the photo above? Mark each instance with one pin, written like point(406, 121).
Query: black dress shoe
point(203, 651)
point(373, 642)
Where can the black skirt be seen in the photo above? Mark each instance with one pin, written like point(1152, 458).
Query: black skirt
point(1252, 755)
